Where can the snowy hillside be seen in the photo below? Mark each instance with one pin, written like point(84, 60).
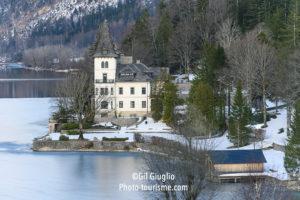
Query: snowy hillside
point(27, 23)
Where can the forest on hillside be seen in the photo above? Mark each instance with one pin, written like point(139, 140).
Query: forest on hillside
point(242, 55)
point(246, 48)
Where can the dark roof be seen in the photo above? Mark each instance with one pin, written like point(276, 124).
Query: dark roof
point(133, 73)
point(238, 156)
point(104, 44)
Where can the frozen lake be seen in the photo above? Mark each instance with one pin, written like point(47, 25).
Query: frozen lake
point(27, 175)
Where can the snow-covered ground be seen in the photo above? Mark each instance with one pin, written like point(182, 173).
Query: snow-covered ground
point(149, 128)
point(275, 159)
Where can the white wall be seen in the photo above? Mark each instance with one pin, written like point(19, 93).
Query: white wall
point(138, 97)
point(110, 71)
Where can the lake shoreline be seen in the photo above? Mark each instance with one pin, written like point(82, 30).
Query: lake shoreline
point(83, 146)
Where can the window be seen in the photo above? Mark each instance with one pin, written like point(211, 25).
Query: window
point(106, 64)
point(104, 91)
point(143, 90)
point(112, 91)
point(104, 105)
point(144, 104)
point(132, 104)
point(121, 104)
point(132, 90)
point(120, 90)
point(104, 78)
point(102, 65)
point(112, 105)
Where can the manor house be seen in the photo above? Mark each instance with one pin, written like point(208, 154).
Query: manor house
point(122, 87)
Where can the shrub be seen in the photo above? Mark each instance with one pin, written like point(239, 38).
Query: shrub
point(264, 126)
point(73, 132)
point(115, 139)
point(138, 138)
point(70, 126)
point(126, 148)
point(273, 116)
point(281, 130)
point(87, 125)
point(258, 118)
point(89, 145)
point(63, 138)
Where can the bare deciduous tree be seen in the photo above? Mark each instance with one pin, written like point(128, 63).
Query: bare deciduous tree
point(264, 60)
point(75, 95)
point(78, 96)
point(187, 159)
point(252, 61)
point(264, 189)
point(241, 64)
point(49, 56)
point(291, 85)
point(228, 32)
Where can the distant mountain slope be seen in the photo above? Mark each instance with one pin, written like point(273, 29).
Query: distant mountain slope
point(32, 23)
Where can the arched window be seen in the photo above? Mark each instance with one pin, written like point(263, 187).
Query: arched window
point(102, 64)
point(106, 64)
point(104, 105)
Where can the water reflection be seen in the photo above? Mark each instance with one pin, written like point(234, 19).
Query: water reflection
point(67, 176)
point(21, 83)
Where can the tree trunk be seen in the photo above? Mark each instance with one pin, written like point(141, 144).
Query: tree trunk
point(80, 129)
point(229, 102)
point(238, 133)
point(276, 105)
point(264, 106)
point(288, 118)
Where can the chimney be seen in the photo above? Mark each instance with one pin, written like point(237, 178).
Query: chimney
point(125, 60)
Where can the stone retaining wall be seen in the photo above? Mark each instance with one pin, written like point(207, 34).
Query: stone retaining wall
point(77, 145)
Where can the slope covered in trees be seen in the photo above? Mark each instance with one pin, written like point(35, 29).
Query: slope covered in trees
point(29, 24)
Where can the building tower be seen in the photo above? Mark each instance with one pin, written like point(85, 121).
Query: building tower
point(105, 66)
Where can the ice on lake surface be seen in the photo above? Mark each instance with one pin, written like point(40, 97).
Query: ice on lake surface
point(27, 175)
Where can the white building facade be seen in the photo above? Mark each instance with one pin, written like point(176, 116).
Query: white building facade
point(120, 89)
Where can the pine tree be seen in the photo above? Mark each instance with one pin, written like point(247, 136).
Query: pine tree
point(157, 102)
point(169, 101)
point(238, 132)
point(139, 43)
point(164, 33)
point(157, 107)
point(213, 60)
point(292, 34)
point(202, 98)
point(277, 25)
point(292, 153)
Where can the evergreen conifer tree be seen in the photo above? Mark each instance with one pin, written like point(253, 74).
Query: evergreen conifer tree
point(169, 101)
point(164, 33)
point(238, 132)
point(202, 98)
point(292, 33)
point(157, 102)
point(292, 153)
